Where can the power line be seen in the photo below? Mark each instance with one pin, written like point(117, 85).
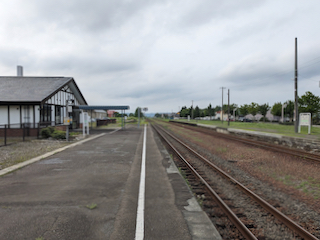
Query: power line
point(311, 60)
point(289, 71)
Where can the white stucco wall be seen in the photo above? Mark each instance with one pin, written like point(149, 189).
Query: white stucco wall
point(3, 115)
point(15, 116)
point(37, 113)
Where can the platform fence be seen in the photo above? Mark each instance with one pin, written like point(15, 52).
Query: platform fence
point(13, 133)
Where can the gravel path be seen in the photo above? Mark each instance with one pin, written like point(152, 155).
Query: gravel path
point(22, 151)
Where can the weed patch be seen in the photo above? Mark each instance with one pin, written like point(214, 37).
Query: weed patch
point(221, 149)
point(92, 206)
point(184, 176)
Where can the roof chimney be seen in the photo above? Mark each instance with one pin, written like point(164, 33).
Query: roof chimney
point(19, 71)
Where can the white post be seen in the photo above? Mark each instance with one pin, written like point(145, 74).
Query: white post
point(309, 127)
point(122, 120)
point(234, 115)
point(87, 123)
point(283, 106)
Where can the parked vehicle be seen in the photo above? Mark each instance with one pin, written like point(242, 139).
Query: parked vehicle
point(247, 120)
point(243, 119)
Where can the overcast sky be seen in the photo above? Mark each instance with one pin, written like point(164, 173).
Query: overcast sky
point(163, 54)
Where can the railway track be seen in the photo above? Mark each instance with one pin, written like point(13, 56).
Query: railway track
point(278, 148)
point(240, 209)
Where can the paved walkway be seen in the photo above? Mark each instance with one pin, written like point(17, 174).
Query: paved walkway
point(90, 191)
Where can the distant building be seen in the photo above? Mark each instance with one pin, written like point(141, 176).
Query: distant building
point(269, 116)
point(224, 115)
point(98, 114)
point(111, 113)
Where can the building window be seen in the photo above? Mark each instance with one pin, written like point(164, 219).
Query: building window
point(45, 114)
point(57, 113)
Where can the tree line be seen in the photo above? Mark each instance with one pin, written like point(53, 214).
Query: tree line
point(306, 103)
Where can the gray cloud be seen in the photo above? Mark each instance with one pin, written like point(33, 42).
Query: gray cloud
point(90, 15)
point(164, 54)
point(202, 12)
point(90, 66)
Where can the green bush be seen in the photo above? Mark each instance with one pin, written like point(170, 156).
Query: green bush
point(46, 132)
point(51, 132)
point(58, 134)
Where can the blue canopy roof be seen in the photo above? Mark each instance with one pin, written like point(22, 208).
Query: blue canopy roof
point(86, 107)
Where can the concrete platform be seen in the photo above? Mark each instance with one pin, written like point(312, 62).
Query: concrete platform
point(90, 191)
point(309, 143)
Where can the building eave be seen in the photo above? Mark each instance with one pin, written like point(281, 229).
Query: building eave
point(20, 103)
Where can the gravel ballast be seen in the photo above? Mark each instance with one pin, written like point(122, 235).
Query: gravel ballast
point(243, 163)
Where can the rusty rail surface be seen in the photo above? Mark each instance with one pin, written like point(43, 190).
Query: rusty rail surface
point(268, 146)
point(279, 215)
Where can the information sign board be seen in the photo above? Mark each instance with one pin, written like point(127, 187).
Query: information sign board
point(305, 120)
point(66, 121)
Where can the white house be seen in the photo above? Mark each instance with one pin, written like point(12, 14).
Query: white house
point(224, 115)
point(38, 100)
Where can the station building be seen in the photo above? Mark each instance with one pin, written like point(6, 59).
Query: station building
point(34, 102)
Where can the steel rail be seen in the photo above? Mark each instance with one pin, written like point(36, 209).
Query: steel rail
point(231, 215)
point(287, 221)
point(281, 149)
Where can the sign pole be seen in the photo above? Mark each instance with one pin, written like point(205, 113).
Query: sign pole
point(83, 126)
point(67, 126)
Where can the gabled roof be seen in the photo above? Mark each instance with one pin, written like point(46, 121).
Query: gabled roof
point(34, 89)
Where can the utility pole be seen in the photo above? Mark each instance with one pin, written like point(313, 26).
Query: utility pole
point(222, 106)
point(296, 113)
point(192, 110)
point(228, 107)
